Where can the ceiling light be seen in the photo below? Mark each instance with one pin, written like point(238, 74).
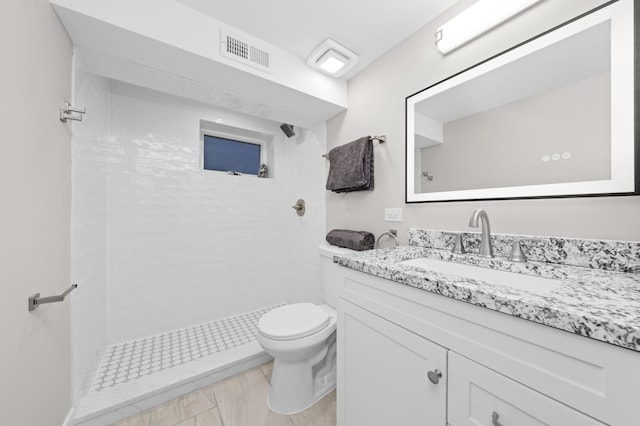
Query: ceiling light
point(332, 58)
point(332, 62)
point(477, 19)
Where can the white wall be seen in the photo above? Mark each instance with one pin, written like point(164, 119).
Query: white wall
point(305, 170)
point(89, 226)
point(186, 245)
point(377, 106)
point(35, 359)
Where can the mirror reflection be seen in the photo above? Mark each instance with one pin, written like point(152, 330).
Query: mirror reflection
point(552, 117)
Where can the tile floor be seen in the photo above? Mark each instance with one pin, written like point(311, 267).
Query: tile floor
point(240, 400)
point(134, 359)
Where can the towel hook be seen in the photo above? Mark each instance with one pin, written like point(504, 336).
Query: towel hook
point(69, 112)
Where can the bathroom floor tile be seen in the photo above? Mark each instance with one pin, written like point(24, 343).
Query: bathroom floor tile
point(240, 400)
point(142, 419)
point(322, 413)
point(181, 409)
point(208, 418)
point(267, 369)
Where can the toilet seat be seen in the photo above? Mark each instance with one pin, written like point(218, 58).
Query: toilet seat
point(294, 321)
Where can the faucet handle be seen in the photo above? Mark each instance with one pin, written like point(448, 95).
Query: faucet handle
point(458, 245)
point(517, 255)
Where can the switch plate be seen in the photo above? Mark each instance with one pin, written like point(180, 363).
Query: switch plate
point(393, 215)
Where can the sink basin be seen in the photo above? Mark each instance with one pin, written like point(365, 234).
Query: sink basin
point(492, 276)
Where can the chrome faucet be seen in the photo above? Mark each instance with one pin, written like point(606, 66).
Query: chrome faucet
point(485, 245)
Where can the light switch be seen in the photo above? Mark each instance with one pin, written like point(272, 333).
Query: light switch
point(393, 215)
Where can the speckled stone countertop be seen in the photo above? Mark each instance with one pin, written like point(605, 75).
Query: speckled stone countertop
point(597, 303)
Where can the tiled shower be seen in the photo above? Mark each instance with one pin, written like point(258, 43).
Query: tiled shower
point(158, 244)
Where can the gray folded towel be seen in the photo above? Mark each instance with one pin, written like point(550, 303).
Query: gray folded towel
point(354, 240)
point(351, 166)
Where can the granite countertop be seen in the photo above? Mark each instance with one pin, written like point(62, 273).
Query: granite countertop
point(600, 304)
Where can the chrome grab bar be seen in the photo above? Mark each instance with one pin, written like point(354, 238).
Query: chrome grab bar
point(35, 300)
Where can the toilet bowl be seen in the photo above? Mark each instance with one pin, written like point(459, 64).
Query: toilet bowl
point(301, 337)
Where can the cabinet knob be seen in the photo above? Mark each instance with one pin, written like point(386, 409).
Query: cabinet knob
point(434, 376)
point(494, 419)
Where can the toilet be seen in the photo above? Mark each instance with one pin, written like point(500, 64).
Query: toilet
point(301, 337)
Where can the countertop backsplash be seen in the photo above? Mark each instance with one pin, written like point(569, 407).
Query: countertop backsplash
point(610, 255)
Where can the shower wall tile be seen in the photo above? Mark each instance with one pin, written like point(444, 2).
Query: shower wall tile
point(187, 246)
point(305, 171)
point(89, 155)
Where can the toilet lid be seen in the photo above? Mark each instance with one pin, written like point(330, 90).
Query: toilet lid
point(293, 321)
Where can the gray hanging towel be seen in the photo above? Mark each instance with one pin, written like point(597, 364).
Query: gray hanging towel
point(351, 166)
point(354, 240)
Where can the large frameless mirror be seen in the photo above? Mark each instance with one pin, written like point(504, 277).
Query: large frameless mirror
point(551, 117)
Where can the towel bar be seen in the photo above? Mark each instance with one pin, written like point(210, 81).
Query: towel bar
point(35, 300)
point(381, 139)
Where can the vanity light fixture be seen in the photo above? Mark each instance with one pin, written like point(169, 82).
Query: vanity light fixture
point(479, 18)
point(332, 58)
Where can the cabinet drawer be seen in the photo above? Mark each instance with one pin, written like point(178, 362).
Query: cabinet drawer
point(480, 396)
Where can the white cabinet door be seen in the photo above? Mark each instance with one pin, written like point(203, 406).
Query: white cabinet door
point(383, 373)
point(479, 396)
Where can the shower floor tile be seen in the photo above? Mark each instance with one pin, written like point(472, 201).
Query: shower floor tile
point(186, 359)
point(131, 360)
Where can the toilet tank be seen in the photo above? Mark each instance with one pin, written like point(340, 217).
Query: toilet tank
point(331, 273)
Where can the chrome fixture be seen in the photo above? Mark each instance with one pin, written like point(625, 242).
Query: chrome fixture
point(35, 300)
point(299, 207)
point(68, 112)
point(264, 171)
point(495, 421)
point(517, 255)
point(434, 376)
point(458, 245)
point(381, 139)
point(393, 233)
point(485, 244)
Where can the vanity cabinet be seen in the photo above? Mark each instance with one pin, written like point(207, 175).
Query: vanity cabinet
point(391, 376)
point(391, 335)
point(481, 397)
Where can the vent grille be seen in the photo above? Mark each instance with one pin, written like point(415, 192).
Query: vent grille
point(259, 56)
point(245, 52)
point(237, 48)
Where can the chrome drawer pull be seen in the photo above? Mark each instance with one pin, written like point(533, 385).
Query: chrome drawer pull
point(494, 419)
point(434, 376)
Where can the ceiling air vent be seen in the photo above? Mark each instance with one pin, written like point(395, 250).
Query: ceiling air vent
point(246, 51)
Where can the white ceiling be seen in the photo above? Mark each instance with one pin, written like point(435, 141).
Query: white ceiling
point(368, 27)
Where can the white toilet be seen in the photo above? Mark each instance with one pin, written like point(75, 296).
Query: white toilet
point(301, 337)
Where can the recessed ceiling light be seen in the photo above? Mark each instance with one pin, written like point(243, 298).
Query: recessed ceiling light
point(332, 58)
point(332, 62)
